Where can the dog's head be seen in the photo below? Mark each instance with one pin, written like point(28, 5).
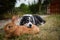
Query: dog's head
point(27, 20)
point(10, 27)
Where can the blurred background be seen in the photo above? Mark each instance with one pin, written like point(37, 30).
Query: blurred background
point(20, 7)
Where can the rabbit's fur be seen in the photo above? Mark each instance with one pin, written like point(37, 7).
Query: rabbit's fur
point(11, 29)
point(15, 30)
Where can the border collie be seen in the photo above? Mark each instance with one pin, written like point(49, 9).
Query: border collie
point(29, 19)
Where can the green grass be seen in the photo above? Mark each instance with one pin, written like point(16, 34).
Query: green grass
point(49, 31)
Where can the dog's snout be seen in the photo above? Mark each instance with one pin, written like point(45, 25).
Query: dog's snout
point(30, 25)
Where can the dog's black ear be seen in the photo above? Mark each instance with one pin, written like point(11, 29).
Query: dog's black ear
point(38, 19)
point(22, 21)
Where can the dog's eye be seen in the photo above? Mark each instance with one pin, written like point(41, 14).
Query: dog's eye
point(27, 20)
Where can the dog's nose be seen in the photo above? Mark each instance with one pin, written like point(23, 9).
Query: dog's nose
point(30, 25)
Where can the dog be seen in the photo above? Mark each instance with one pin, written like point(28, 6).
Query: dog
point(29, 19)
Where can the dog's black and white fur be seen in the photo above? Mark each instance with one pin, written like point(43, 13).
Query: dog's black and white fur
point(29, 19)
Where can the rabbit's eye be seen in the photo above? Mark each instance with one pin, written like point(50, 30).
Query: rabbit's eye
point(9, 26)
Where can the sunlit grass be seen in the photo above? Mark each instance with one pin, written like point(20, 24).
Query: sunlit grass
point(49, 31)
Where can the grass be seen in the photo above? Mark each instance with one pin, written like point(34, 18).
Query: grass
point(49, 31)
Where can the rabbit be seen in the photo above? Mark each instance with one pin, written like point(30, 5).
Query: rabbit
point(15, 30)
point(11, 29)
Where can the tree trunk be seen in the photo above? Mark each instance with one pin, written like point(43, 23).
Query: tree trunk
point(39, 6)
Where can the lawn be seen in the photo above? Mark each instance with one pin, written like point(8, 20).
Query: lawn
point(49, 31)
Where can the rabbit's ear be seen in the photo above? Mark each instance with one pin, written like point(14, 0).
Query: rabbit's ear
point(14, 18)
